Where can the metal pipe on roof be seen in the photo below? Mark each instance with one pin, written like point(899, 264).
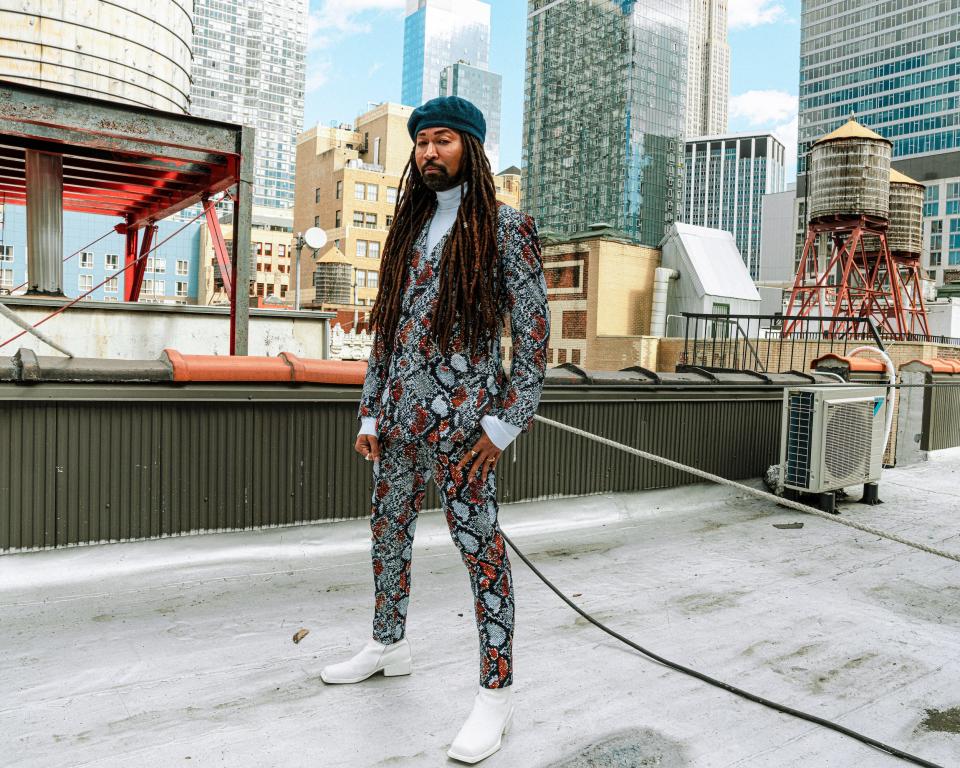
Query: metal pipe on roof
point(44, 185)
point(661, 283)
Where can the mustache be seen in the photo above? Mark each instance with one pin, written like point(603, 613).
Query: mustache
point(432, 165)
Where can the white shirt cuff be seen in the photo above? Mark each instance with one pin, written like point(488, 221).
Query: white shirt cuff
point(368, 426)
point(500, 433)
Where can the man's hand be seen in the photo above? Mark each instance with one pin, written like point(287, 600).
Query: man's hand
point(368, 446)
point(480, 459)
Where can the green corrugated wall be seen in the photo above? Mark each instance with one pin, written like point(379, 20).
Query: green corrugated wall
point(88, 463)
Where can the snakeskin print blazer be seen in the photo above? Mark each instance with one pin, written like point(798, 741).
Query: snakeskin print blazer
point(417, 392)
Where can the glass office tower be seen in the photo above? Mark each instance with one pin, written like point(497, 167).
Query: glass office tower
point(483, 88)
point(249, 67)
point(895, 66)
point(726, 179)
point(436, 34)
point(604, 115)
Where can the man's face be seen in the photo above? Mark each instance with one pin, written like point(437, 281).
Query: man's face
point(438, 154)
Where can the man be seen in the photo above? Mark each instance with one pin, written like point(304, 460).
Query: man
point(436, 400)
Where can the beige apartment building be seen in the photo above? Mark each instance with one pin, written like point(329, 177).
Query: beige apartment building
point(347, 184)
point(271, 240)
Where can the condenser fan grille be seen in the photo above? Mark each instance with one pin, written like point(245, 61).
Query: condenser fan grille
point(848, 442)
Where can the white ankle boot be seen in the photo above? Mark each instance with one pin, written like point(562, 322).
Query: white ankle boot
point(393, 659)
point(483, 731)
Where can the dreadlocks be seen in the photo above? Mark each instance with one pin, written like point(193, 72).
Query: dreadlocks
point(469, 265)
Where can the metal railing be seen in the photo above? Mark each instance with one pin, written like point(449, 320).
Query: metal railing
point(755, 343)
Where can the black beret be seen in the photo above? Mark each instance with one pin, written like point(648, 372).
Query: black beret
point(448, 112)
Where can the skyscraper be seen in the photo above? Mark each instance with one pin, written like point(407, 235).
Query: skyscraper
point(437, 33)
point(483, 88)
point(603, 133)
point(249, 67)
point(896, 67)
point(727, 177)
point(708, 71)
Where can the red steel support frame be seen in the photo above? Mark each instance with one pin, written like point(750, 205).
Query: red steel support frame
point(219, 249)
point(870, 283)
point(141, 266)
point(129, 257)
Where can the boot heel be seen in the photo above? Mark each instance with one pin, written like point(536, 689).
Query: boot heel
point(400, 668)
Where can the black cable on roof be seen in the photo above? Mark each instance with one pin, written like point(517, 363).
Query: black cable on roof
point(783, 708)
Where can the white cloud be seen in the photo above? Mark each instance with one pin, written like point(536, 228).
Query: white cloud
point(339, 17)
point(318, 73)
point(787, 133)
point(757, 108)
point(753, 13)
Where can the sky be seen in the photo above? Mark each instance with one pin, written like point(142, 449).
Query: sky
point(355, 55)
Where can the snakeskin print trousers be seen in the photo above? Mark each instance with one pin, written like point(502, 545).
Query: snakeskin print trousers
point(400, 479)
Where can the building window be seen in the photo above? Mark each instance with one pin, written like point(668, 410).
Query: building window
point(183, 267)
point(373, 192)
point(268, 250)
point(111, 286)
point(181, 289)
point(159, 266)
point(373, 250)
point(337, 217)
point(281, 250)
point(361, 249)
point(360, 278)
point(953, 255)
point(339, 190)
point(316, 195)
point(358, 190)
point(112, 261)
point(316, 221)
point(85, 283)
point(146, 287)
point(936, 242)
point(389, 221)
point(358, 218)
point(931, 201)
point(86, 260)
point(370, 220)
point(6, 253)
point(372, 279)
point(6, 278)
point(953, 199)
point(391, 194)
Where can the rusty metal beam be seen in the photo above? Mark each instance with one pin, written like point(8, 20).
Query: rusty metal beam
point(242, 222)
point(114, 123)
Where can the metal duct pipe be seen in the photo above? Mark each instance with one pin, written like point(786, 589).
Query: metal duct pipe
point(44, 223)
point(661, 282)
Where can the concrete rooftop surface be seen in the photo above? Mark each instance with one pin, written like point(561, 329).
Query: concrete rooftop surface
point(179, 652)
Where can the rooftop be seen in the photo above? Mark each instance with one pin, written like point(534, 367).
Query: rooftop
point(178, 651)
point(851, 130)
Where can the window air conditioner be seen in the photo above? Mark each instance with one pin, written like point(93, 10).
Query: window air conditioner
point(832, 437)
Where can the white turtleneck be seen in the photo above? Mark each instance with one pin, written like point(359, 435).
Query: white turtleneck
point(500, 433)
point(448, 203)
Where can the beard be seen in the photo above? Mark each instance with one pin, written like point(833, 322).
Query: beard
point(439, 181)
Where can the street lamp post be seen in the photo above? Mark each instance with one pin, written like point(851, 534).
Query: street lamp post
point(314, 238)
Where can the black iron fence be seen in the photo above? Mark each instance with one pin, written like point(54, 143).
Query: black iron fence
point(722, 342)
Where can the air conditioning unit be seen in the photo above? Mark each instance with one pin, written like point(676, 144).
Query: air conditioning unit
point(832, 437)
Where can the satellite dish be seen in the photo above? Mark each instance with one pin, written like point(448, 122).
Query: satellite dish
point(315, 238)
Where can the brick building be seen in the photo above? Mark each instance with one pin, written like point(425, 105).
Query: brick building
point(600, 288)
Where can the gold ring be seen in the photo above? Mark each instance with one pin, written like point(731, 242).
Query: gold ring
point(490, 461)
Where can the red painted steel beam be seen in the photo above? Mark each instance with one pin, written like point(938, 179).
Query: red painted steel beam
point(219, 247)
point(129, 257)
point(140, 267)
